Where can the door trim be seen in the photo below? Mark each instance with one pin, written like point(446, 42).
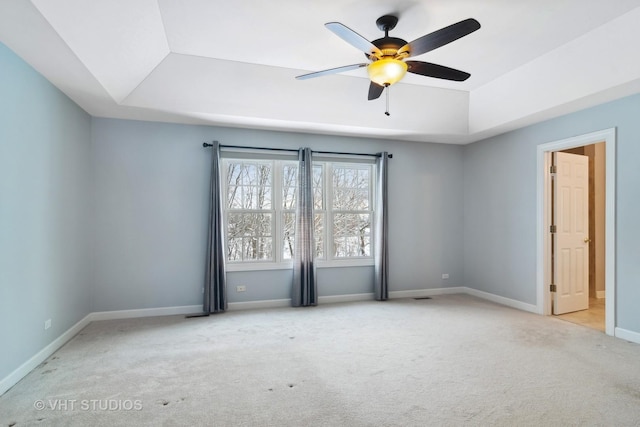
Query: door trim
point(543, 217)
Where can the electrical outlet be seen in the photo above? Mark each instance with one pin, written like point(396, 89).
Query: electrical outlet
point(445, 276)
point(241, 288)
point(47, 324)
point(203, 290)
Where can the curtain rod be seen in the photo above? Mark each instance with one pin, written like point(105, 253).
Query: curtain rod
point(205, 144)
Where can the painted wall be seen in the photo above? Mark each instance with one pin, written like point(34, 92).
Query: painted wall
point(500, 205)
point(151, 183)
point(45, 182)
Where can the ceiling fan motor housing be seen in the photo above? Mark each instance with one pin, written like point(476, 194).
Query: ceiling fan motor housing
point(388, 45)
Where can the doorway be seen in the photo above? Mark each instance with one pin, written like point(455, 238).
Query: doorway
point(604, 285)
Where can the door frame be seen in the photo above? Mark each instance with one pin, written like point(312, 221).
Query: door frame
point(543, 220)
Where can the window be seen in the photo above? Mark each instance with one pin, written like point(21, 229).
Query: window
point(351, 211)
point(260, 203)
point(249, 210)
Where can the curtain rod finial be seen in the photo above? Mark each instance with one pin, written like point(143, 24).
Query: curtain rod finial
point(206, 144)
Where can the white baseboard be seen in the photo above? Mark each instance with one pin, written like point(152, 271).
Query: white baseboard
point(28, 366)
point(418, 293)
point(144, 312)
point(601, 294)
point(250, 305)
point(627, 335)
point(332, 299)
point(502, 300)
point(279, 303)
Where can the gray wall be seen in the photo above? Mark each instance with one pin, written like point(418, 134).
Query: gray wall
point(45, 179)
point(151, 182)
point(500, 205)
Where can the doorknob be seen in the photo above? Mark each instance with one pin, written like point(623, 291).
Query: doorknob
point(587, 240)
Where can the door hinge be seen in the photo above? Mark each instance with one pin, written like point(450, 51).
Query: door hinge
point(553, 288)
point(553, 169)
point(553, 229)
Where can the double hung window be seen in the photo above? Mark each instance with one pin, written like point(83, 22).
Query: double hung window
point(260, 202)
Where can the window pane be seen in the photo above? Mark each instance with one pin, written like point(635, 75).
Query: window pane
point(249, 236)
point(234, 197)
point(234, 249)
point(234, 173)
point(289, 186)
point(257, 249)
point(248, 185)
point(318, 199)
point(318, 234)
point(363, 179)
point(288, 224)
point(351, 188)
point(352, 235)
point(260, 197)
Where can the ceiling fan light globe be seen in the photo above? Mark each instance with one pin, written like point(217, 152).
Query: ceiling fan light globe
point(387, 71)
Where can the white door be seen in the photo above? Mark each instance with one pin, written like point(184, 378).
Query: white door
point(571, 240)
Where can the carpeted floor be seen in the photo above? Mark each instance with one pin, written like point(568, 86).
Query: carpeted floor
point(447, 361)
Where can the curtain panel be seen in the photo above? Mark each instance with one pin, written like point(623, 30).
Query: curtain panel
point(381, 260)
point(215, 282)
point(304, 292)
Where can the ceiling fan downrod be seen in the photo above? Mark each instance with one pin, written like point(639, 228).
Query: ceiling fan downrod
point(387, 110)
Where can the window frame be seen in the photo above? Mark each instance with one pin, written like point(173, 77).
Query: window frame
point(278, 212)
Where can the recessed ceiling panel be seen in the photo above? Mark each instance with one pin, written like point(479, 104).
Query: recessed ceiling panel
point(119, 41)
point(585, 67)
point(202, 85)
point(293, 35)
point(236, 62)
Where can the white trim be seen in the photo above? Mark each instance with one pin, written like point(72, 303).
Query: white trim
point(503, 301)
point(345, 262)
point(14, 377)
point(236, 266)
point(627, 335)
point(601, 294)
point(144, 312)
point(332, 299)
point(249, 305)
point(418, 293)
point(543, 300)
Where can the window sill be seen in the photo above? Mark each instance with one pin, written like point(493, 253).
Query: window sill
point(289, 265)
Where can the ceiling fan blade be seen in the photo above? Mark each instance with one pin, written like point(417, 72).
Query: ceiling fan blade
point(375, 90)
point(353, 38)
point(438, 71)
point(331, 71)
point(441, 37)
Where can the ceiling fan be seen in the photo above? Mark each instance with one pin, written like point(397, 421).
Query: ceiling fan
point(387, 55)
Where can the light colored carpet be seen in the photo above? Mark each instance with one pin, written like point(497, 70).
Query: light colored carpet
point(451, 360)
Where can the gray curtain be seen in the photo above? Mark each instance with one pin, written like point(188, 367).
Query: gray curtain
point(304, 292)
point(381, 264)
point(215, 282)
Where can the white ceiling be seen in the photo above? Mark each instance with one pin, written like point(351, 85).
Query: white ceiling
point(233, 63)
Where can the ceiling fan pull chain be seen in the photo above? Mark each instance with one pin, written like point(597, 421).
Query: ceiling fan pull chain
point(387, 111)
